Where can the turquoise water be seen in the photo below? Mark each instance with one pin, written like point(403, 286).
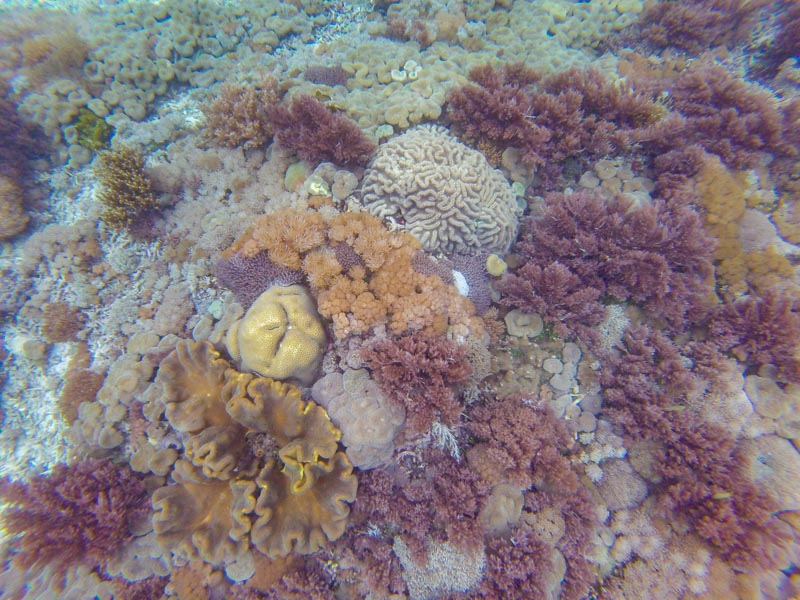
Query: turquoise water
point(104, 273)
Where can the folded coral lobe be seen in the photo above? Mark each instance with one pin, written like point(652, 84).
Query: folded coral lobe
point(292, 516)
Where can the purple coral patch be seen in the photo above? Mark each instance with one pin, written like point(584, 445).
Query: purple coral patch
point(250, 276)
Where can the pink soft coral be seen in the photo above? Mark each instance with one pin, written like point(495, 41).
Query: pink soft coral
point(419, 371)
point(761, 331)
point(575, 114)
point(316, 133)
point(696, 26)
point(701, 479)
point(80, 512)
point(736, 120)
point(584, 248)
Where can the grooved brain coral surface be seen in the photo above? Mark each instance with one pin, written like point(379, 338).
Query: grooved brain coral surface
point(446, 194)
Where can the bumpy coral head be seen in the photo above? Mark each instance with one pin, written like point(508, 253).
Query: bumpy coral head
point(281, 336)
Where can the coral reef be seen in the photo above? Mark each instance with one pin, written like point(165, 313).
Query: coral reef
point(280, 336)
point(239, 115)
point(125, 189)
point(653, 456)
point(445, 194)
point(260, 465)
point(81, 512)
point(317, 134)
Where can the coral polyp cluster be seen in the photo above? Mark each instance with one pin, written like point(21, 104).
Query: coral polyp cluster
point(361, 274)
point(445, 300)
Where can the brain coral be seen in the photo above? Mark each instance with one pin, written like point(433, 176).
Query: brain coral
point(280, 336)
point(446, 193)
point(260, 465)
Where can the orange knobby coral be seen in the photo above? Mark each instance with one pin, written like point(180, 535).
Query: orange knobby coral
point(361, 273)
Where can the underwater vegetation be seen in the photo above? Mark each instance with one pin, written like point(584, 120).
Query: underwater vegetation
point(445, 300)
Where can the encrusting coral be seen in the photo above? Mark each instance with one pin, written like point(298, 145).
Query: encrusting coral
point(369, 420)
point(280, 336)
point(260, 465)
point(126, 190)
point(444, 193)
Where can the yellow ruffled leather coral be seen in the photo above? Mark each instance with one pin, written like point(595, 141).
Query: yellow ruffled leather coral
point(280, 336)
point(260, 465)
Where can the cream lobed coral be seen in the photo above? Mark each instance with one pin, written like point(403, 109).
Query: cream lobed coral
point(446, 194)
point(280, 336)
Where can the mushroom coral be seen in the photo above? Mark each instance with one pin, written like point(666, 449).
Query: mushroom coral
point(260, 465)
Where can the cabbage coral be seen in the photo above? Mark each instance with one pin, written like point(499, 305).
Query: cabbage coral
point(260, 465)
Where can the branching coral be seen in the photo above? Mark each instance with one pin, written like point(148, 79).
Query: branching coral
point(239, 115)
point(446, 194)
point(317, 134)
point(736, 120)
point(697, 26)
point(574, 114)
point(419, 372)
point(696, 464)
point(761, 330)
point(584, 247)
point(260, 465)
point(126, 190)
point(82, 512)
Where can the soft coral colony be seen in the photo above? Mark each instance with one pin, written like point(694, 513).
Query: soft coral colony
point(418, 380)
